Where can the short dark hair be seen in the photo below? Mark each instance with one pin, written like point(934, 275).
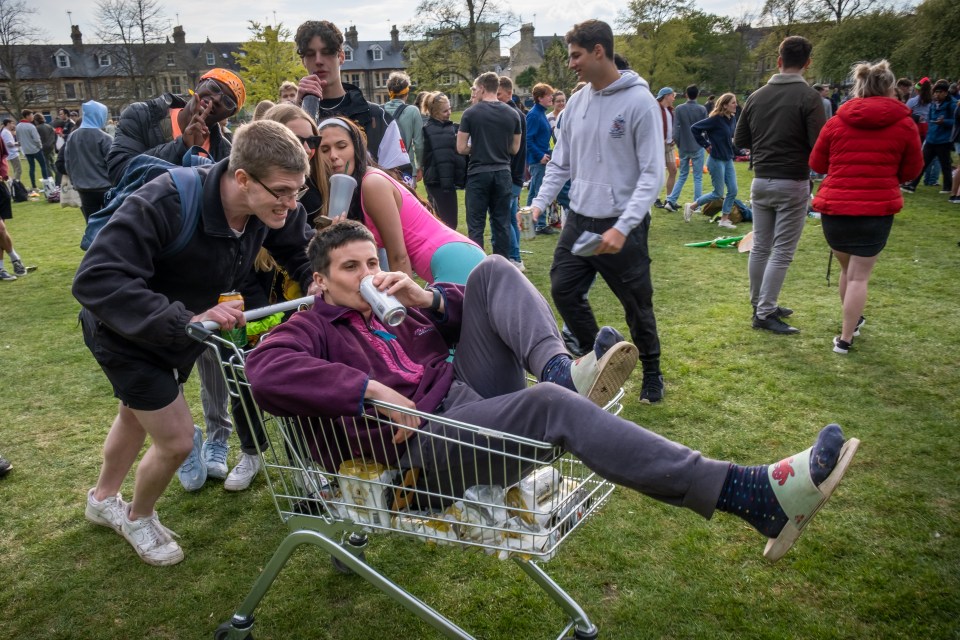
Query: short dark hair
point(505, 83)
point(6, 121)
point(589, 34)
point(26, 113)
point(905, 82)
point(622, 63)
point(331, 36)
point(692, 92)
point(795, 52)
point(489, 82)
point(941, 85)
point(334, 237)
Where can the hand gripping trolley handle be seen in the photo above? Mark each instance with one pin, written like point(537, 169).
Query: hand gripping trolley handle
point(335, 480)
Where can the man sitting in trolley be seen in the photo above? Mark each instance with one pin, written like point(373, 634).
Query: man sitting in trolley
point(328, 360)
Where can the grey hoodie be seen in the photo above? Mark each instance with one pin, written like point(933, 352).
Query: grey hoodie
point(611, 150)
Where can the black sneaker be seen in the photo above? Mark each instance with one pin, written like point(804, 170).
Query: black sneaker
point(780, 312)
point(862, 321)
point(841, 346)
point(5, 467)
point(954, 199)
point(774, 324)
point(658, 203)
point(671, 207)
point(651, 392)
point(906, 188)
point(6, 275)
point(546, 231)
point(18, 269)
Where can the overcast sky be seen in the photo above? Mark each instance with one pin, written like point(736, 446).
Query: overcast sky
point(373, 18)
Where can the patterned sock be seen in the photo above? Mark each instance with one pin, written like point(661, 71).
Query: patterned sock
point(558, 371)
point(747, 492)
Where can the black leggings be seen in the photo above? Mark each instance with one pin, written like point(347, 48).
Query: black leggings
point(942, 151)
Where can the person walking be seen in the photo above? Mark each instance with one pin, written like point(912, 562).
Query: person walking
point(691, 153)
point(869, 148)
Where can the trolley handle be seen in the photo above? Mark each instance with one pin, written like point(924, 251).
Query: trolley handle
point(200, 331)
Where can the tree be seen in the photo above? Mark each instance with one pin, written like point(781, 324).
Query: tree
point(134, 31)
point(526, 78)
point(654, 35)
point(266, 60)
point(555, 71)
point(714, 55)
point(867, 38)
point(783, 14)
point(454, 41)
point(931, 46)
point(839, 10)
point(15, 32)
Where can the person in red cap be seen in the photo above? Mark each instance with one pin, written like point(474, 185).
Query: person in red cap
point(167, 126)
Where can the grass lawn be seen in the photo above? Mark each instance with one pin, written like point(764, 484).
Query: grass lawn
point(881, 561)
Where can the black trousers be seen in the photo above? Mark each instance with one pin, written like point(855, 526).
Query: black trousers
point(627, 273)
point(444, 203)
point(941, 151)
point(91, 201)
point(490, 190)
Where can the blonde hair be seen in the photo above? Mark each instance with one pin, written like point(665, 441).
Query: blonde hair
point(722, 102)
point(433, 104)
point(871, 80)
point(285, 113)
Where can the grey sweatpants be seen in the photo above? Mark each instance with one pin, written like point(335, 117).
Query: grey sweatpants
point(779, 214)
point(213, 397)
point(508, 328)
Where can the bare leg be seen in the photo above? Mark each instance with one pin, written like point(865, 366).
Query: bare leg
point(855, 299)
point(844, 260)
point(170, 428)
point(6, 242)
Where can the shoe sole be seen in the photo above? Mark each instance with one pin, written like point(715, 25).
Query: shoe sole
point(228, 486)
point(96, 519)
point(155, 562)
point(649, 401)
point(777, 547)
point(779, 333)
point(615, 367)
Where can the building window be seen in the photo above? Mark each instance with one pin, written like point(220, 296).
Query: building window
point(211, 59)
point(377, 52)
point(170, 60)
point(70, 90)
point(347, 54)
point(29, 95)
point(63, 61)
point(175, 85)
point(376, 79)
point(103, 60)
point(446, 79)
point(4, 96)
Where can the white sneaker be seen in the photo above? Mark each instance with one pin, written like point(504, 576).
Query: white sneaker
point(726, 224)
point(109, 513)
point(600, 380)
point(152, 541)
point(687, 212)
point(243, 474)
point(519, 265)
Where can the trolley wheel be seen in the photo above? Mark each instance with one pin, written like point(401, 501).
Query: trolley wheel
point(223, 632)
point(589, 634)
point(339, 567)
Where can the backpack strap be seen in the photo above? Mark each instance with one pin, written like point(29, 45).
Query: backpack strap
point(190, 188)
point(398, 111)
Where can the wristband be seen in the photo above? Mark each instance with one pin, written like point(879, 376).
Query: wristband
point(435, 305)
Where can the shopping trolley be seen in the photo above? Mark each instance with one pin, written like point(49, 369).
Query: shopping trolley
point(336, 480)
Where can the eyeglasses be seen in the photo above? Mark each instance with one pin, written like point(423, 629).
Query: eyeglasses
point(313, 141)
point(213, 87)
point(296, 195)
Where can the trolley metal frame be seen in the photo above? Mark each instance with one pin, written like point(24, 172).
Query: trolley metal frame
point(335, 508)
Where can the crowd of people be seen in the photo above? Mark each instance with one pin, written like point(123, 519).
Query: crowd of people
point(267, 228)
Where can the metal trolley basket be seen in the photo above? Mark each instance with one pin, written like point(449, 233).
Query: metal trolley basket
point(473, 487)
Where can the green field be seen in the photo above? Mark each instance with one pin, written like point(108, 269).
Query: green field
point(881, 561)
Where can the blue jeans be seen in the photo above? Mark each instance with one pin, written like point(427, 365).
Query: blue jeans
point(536, 179)
point(38, 159)
point(514, 253)
point(930, 178)
point(686, 159)
point(722, 175)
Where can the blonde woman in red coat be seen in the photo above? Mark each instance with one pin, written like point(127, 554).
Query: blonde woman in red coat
point(867, 151)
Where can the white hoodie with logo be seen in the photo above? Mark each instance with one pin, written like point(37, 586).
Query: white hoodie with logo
point(611, 148)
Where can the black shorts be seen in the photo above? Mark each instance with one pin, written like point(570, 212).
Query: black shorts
point(139, 383)
point(863, 236)
point(6, 209)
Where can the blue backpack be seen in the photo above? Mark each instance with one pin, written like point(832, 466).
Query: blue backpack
point(141, 170)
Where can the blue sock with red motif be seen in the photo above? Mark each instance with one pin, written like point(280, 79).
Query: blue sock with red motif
point(747, 492)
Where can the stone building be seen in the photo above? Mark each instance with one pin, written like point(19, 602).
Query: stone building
point(368, 63)
point(529, 50)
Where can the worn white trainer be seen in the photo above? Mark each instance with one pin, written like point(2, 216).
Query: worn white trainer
point(152, 541)
point(599, 379)
point(243, 474)
point(109, 513)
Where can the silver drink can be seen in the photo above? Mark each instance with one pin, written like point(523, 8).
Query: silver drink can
point(385, 307)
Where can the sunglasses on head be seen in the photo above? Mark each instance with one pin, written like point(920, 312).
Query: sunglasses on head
point(313, 141)
point(213, 87)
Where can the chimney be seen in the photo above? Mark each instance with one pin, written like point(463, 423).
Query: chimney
point(76, 36)
point(352, 37)
point(395, 38)
point(526, 34)
point(179, 37)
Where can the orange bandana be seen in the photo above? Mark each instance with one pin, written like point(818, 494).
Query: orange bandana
point(231, 81)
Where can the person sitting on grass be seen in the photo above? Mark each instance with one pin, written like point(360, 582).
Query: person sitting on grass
point(416, 240)
point(137, 302)
point(326, 361)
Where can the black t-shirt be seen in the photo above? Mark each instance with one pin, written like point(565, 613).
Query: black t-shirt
point(491, 127)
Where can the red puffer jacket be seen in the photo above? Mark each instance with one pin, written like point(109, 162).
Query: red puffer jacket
point(867, 150)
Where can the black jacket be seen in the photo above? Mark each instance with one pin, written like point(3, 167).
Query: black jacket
point(518, 164)
point(145, 127)
point(442, 166)
point(140, 302)
point(368, 116)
